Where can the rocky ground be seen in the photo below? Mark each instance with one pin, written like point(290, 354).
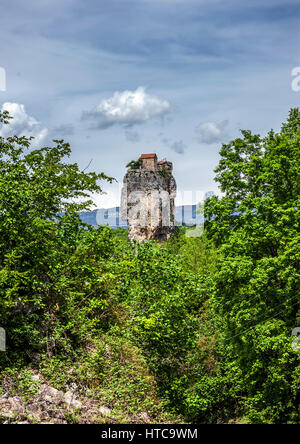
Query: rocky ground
point(53, 406)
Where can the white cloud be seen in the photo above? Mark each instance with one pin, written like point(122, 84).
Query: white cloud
point(127, 108)
point(22, 124)
point(211, 132)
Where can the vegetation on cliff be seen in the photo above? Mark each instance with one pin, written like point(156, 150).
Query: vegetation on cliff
point(134, 164)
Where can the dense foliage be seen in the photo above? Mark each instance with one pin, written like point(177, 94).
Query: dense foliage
point(256, 227)
point(197, 329)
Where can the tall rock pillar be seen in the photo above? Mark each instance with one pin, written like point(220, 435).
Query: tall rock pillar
point(147, 201)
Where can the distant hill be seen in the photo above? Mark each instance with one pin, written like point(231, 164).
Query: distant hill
point(184, 215)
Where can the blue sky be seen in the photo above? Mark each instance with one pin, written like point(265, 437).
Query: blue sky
point(121, 77)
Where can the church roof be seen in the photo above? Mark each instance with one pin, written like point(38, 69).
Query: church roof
point(148, 156)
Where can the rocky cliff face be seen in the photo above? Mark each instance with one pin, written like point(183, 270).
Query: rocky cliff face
point(147, 202)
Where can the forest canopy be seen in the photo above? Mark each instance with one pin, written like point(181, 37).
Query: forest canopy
point(195, 329)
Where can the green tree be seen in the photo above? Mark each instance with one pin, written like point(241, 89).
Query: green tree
point(134, 164)
point(40, 197)
point(256, 227)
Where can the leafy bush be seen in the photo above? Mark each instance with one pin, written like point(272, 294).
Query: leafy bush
point(134, 164)
point(42, 281)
